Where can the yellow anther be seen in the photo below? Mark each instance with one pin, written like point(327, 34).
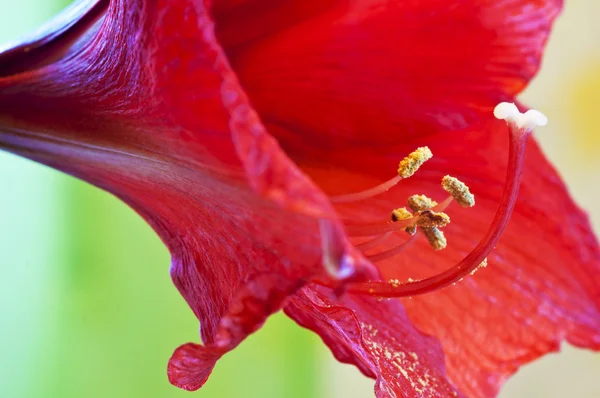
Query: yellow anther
point(436, 238)
point(410, 164)
point(401, 214)
point(430, 219)
point(420, 203)
point(459, 191)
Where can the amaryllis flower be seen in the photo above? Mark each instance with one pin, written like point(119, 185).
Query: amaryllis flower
point(254, 136)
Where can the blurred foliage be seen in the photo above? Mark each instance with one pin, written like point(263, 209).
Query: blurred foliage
point(88, 300)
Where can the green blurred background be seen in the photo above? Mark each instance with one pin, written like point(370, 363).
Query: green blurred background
point(86, 302)
point(87, 308)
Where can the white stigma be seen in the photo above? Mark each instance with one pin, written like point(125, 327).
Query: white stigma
point(529, 120)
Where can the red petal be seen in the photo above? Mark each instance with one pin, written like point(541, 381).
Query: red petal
point(336, 74)
point(149, 109)
point(542, 282)
point(53, 41)
point(378, 338)
point(159, 119)
point(191, 364)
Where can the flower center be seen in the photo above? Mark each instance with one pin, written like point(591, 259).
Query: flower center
point(428, 217)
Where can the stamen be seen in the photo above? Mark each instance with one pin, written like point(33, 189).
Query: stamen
point(403, 214)
point(369, 193)
point(373, 243)
point(407, 167)
point(372, 229)
point(410, 164)
point(392, 252)
point(429, 221)
point(443, 205)
point(401, 219)
point(417, 202)
point(459, 191)
point(519, 130)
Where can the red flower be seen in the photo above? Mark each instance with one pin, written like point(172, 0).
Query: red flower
point(228, 125)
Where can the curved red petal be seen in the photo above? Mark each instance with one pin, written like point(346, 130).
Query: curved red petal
point(378, 338)
point(56, 39)
point(337, 74)
point(160, 120)
point(191, 364)
point(149, 110)
point(542, 283)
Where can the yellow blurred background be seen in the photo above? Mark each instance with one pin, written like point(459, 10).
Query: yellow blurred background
point(88, 310)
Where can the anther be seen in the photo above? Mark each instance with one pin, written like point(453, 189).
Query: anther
point(425, 219)
point(435, 237)
point(431, 219)
point(410, 164)
point(459, 191)
point(401, 214)
point(420, 203)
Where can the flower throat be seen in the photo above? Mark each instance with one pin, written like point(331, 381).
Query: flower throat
point(426, 216)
